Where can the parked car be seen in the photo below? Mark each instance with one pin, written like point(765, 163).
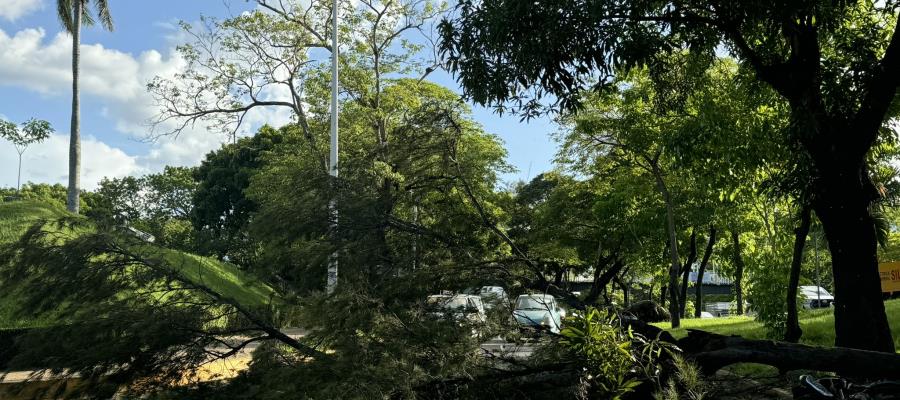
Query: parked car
point(539, 311)
point(461, 307)
point(494, 297)
point(816, 297)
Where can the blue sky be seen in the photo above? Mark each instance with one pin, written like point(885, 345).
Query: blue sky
point(35, 82)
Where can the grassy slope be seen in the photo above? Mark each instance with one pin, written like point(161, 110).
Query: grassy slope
point(225, 278)
point(817, 325)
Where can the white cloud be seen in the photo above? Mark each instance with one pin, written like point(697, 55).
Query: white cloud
point(12, 10)
point(31, 59)
point(28, 59)
point(48, 162)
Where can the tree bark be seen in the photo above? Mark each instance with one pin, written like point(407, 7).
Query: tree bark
point(624, 288)
point(738, 271)
point(698, 303)
point(686, 271)
point(673, 247)
point(842, 204)
point(19, 176)
point(602, 278)
point(712, 351)
point(74, 189)
point(792, 331)
point(662, 295)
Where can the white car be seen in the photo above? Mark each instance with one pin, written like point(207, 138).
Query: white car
point(462, 307)
point(816, 297)
point(538, 311)
point(493, 296)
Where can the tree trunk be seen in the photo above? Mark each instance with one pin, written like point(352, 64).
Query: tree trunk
point(558, 277)
point(673, 248)
point(698, 303)
point(19, 179)
point(712, 351)
point(842, 204)
point(738, 271)
point(686, 271)
point(624, 288)
point(601, 280)
point(662, 295)
point(792, 331)
point(72, 200)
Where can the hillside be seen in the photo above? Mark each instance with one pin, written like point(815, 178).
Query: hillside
point(225, 278)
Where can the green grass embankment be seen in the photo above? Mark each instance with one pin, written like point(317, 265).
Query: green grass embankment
point(817, 325)
point(222, 277)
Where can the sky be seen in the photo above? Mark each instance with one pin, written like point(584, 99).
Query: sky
point(35, 82)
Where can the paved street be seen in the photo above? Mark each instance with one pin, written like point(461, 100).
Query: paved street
point(232, 365)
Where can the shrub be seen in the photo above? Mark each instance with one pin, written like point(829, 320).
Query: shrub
point(615, 360)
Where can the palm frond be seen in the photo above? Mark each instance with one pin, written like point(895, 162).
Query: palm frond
point(64, 12)
point(104, 15)
point(882, 226)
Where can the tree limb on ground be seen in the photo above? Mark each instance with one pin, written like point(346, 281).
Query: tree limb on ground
point(712, 352)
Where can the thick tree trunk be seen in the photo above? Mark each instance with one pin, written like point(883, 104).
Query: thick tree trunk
point(686, 272)
point(712, 351)
point(792, 331)
point(74, 190)
point(558, 277)
point(738, 271)
point(842, 204)
point(602, 277)
point(624, 288)
point(698, 302)
point(673, 248)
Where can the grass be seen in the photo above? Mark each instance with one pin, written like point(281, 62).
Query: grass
point(224, 278)
point(817, 325)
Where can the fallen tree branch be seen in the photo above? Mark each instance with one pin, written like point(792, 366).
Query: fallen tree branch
point(712, 352)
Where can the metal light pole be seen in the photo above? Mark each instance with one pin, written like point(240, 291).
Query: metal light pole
point(333, 156)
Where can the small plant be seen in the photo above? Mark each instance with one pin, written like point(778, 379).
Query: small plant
point(685, 384)
point(616, 360)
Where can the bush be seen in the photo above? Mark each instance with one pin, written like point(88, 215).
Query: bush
point(767, 298)
point(615, 360)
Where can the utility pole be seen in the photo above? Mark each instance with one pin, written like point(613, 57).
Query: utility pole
point(333, 156)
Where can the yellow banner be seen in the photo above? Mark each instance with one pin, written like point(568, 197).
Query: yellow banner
point(890, 276)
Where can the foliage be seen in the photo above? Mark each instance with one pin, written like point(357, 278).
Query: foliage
point(817, 325)
point(159, 204)
point(64, 12)
point(16, 218)
point(618, 362)
point(221, 211)
point(606, 351)
point(54, 194)
point(32, 131)
point(832, 63)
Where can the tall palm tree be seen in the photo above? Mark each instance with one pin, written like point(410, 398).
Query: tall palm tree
point(73, 14)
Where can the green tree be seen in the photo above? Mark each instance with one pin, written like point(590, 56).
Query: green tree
point(220, 211)
point(32, 131)
point(159, 204)
point(73, 14)
point(833, 63)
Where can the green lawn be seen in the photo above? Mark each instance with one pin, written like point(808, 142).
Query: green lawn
point(817, 325)
point(224, 278)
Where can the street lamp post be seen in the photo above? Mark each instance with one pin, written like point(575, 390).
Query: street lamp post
point(333, 156)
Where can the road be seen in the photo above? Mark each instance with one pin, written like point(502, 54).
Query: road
point(229, 367)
